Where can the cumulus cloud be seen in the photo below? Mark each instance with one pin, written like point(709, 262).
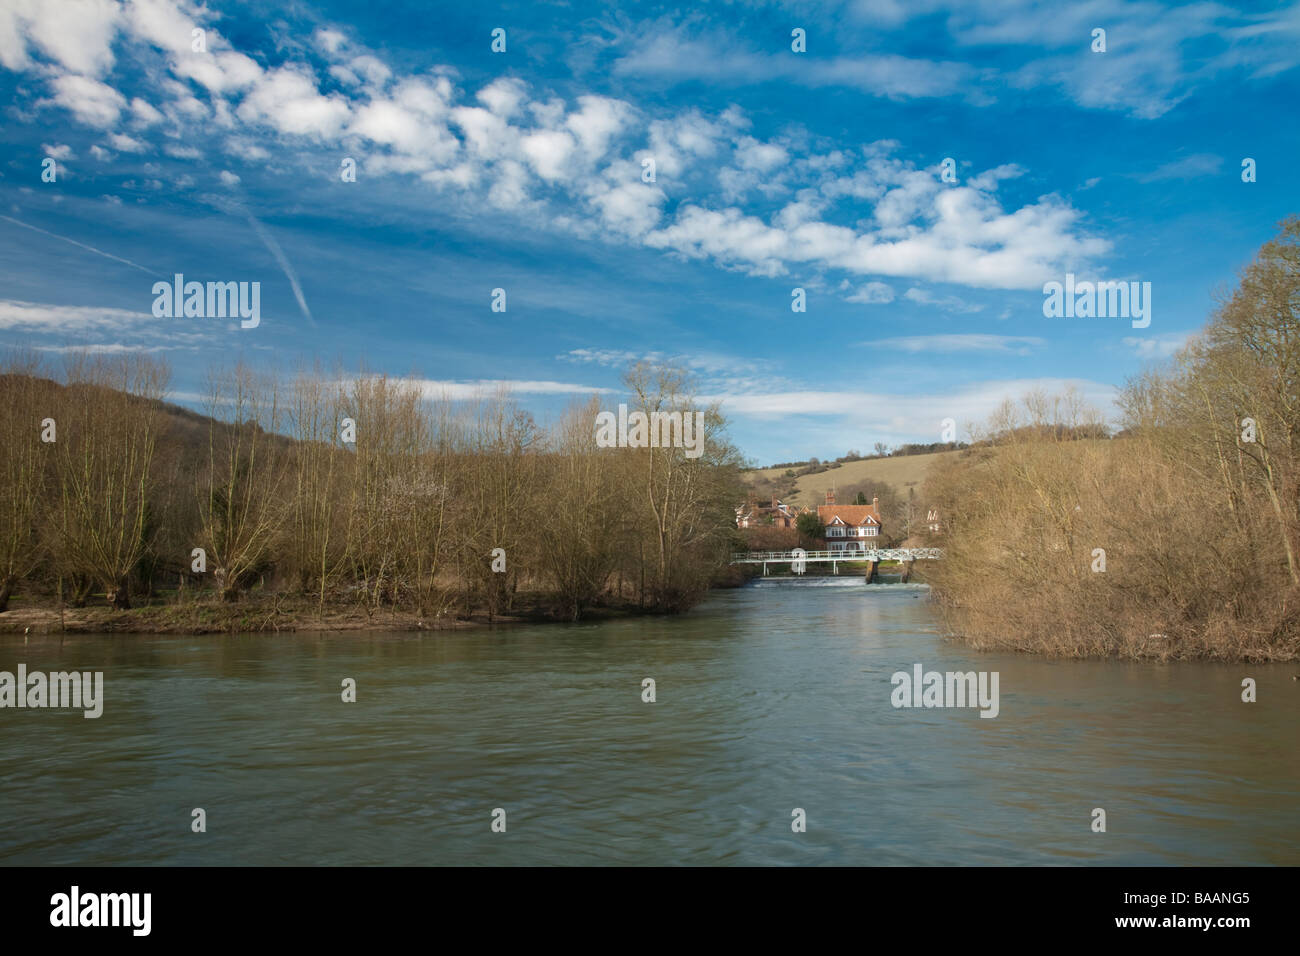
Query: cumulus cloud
point(76, 34)
point(126, 144)
point(580, 164)
point(93, 103)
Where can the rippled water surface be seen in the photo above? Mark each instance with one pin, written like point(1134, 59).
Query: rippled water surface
point(769, 698)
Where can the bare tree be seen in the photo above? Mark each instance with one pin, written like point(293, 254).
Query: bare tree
point(240, 510)
point(108, 426)
point(26, 402)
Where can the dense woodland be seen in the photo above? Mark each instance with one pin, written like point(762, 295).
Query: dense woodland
point(106, 491)
point(1178, 537)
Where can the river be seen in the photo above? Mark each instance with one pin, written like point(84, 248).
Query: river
point(768, 698)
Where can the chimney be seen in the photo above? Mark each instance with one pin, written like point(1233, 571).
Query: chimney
point(875, 504)
point(830, 496)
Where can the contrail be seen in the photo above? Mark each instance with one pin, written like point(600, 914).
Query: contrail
point(280, 257)
point(82, 245)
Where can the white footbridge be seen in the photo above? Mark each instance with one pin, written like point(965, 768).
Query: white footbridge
point(799, 559)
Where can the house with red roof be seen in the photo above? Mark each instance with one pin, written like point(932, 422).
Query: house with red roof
point(850, 527)
point(779, 514)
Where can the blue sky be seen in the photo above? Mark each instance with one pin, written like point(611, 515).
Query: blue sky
point(523, 170)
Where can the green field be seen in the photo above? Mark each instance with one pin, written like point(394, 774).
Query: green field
point(901, 472)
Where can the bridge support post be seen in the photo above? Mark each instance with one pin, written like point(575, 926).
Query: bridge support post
point(908, 565)
point(871, 571)
point(764, 569)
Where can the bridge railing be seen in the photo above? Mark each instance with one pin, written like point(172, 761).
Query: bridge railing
point(877, 554)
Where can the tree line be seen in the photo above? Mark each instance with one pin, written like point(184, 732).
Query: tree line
point(347, 489)
point(1178, 537)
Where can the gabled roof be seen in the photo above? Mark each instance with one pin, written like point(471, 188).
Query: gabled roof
point(852, 515)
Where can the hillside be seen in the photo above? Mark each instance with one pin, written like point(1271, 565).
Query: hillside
point(902, 472)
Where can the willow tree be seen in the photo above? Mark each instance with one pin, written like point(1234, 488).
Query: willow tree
point(498, 499)
point(385, 486)
point(106, 431)
point(316, 546)
point(1253, 355)
point(27, 402)
point(579, 529)
point(241, 513)
point(685, 487)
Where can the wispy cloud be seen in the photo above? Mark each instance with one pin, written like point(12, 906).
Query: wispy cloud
point(905, 417)
point(576, 167)
point(79, 245)
point(269, 241)
point(676, 52)
point(484, 388)
point(1157, 346)
point(973, 342)
point(873, 293)
point(42, 317)
point(949, 303)
point(1189, 167)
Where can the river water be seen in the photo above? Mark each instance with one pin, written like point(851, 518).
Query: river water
point(768, 698)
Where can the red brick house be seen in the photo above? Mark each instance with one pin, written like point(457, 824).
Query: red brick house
point(850, 527)
point(779, 514)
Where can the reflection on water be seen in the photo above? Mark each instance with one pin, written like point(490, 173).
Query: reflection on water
point(769, 698)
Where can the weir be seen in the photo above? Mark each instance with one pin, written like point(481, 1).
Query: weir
point(906, 555)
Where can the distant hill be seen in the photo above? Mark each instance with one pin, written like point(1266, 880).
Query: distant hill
point(901, 472)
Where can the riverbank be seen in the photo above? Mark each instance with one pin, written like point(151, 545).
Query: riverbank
point(269, 613)
point(275, 614)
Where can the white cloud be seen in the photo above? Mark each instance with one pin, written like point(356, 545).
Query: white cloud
point(78, 34)
point(93, 103)
point(548, 151)
point(672, 53)
point(909, 417)
point(329, 41)
point(949, 303)
point(287, 100)
point(484, 388)
point(143, 113)
point(1189, 167)
point(971, 342)
point(126, 144)
point(16, 315)
point(1157, 346)
point(873, 293)
point(589, 158)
